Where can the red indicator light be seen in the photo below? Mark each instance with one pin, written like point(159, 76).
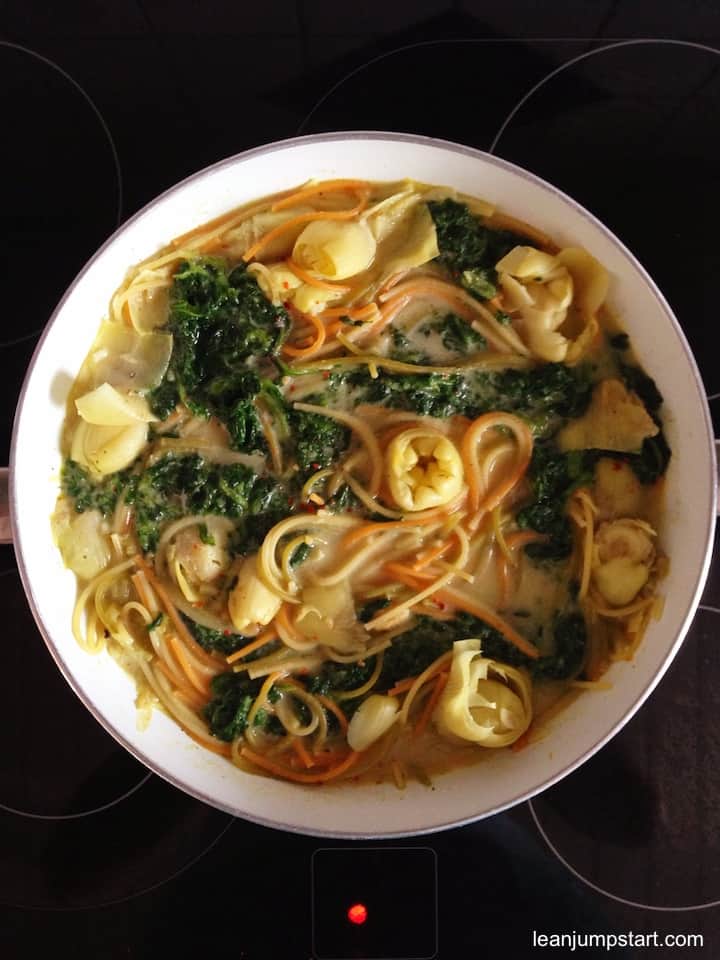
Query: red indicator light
point(357, 913)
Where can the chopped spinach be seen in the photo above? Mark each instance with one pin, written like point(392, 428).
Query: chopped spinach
point(414, 651)
point(233, 694)
point(481, 282)
point(458, 336)
point(652, 461)
point(225, 642)
point(222, 326)
point(404, 350)
point(318, 440)
point(541, 394)
point(372, 608)
point(467, 245)
point(90, 494)
point(553, 476)
point(619, 341)
point(570, 640)
point(300, 554)
point(644, 386)
point(341, 676)
point(177, 486)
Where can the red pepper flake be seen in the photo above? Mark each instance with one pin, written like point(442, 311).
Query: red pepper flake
point(292, 388)
point(315, 466)
point(326, 374)
point(308, 507)
point(227, 633)
point(617, 465)
point(286, 284)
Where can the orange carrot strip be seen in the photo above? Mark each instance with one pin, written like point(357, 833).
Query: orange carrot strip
point(183, 690)
point(475, 607)
point(419, 520)
point(326, 758)
point(321, 777)
point(141, 585)
point(334, 709)
point(278, 231)
point(206, 227)
point(196, 702)
point(355, 313)
point(265, 637)
point(468, 452)
point(314, 345)
point(222, 748)
point(196, 680)
point(422, 723)
point(522, 741)
point(402, 687)
point(314, 281)
point(387, 314)
point(325, 186)
point(425, 558)
point(282, 618)
point(479, 610)
point(503, 576)
point(409, 575)
point(520, 538)
point(301, 750)
point(172, 611)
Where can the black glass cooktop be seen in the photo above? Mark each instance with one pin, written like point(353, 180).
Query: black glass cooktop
point(103, 107)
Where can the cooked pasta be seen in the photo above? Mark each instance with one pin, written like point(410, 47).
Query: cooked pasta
point(361, 481)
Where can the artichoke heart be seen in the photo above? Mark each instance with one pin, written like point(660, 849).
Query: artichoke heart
point(485, 702)
point(250, 602)
point(335, 249)
point(423, 469)
point(623, 553)
point(615, 420)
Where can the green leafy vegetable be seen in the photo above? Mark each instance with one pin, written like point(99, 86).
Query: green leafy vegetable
point(542, 394)
point(570, 639)
point(300, 554)
point(341, 676)
point(404, 350)
point(480, 282)
point(652, 461)
point(178, 486)
point(372, 608)
point(225, 642)
point(205, 535)
point(458, 336)
point(318, 440)
point(468, 248)
point(222, 327)
point(233, 694)
point(90, 494)
point(553, 476)
point(462, 239)
point(414, 651)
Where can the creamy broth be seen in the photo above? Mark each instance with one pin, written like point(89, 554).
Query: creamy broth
point(362, 481)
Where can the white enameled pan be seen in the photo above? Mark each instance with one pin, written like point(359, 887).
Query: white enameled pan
point(464, 795)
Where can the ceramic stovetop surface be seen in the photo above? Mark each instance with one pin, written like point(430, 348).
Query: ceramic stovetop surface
point(104, 106)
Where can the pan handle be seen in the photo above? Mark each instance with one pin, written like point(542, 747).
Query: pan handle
point(5, 527)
